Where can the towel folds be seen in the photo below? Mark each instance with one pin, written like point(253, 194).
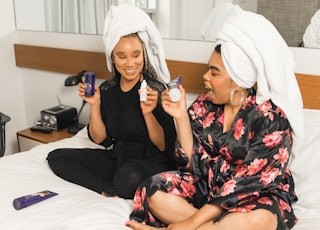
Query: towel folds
point(123, 20)
point(311, 37)
point(253, 51)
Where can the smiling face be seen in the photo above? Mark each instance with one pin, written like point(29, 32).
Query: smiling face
point(217, 80)
point(128, 58)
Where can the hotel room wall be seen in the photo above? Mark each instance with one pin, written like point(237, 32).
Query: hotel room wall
point(11, 90)
point(174, 49)
point(34, 90)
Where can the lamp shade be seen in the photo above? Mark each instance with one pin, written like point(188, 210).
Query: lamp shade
point(74, 80)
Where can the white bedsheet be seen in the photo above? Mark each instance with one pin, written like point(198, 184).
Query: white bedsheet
point(305, 169)
point(79, 208)
point(74, 207)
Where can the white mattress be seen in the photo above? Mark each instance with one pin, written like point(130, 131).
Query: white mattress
point(74, 207)
point(79, 208)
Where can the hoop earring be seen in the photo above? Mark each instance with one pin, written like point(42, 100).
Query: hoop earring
point(233, 91)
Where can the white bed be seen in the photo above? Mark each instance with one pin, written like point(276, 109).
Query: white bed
point(78, 208)
point(73, 208)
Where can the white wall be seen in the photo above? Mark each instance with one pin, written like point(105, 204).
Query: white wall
point(25, 92)
point(307, 60)
point(33, 18)
point(11, 91)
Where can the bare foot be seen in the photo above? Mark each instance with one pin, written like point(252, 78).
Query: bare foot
point(107, 195)
point(138, 226)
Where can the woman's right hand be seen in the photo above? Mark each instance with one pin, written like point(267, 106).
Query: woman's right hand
point(92, 100)
point(174, 109)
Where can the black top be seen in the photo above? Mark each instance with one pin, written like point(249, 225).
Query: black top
point(125, 125)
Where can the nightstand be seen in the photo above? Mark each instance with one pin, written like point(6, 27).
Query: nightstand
point(28, 139)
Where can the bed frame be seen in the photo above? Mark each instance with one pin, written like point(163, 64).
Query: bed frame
point(70, 61)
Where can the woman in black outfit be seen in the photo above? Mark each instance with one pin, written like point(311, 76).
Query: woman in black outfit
point(138, 136)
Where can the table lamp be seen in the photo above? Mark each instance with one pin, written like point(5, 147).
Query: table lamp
point(73, 81)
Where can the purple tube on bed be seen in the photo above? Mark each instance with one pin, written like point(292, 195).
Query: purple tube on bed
point(26, 201)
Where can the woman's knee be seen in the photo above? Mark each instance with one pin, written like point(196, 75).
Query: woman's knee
point(259, 219)
point(262, 219)
point(156, 198)
point(52, 157)
point(127, 179)
point(57, 160)
point(54, 154)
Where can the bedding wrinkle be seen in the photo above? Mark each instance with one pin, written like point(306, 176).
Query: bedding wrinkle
point(74, 208)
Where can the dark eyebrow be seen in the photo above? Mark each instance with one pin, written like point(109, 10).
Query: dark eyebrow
point(135, 52)
point(212, 67)
point(120, 53)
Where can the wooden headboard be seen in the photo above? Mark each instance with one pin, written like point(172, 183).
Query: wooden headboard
point(72, 61)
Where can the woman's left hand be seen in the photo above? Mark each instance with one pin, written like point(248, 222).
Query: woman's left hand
point(151, 103)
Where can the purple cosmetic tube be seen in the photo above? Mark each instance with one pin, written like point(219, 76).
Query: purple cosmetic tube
point(26, 201)
point(174, 91)
point(89, 82)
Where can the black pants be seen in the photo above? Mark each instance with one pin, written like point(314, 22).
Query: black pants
point(97, 170)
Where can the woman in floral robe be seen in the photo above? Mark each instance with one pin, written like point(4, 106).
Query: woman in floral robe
point(241, 170)
point(233, 151)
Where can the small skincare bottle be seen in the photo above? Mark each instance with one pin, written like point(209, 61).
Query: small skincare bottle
point(143, 91)
point(89, 82)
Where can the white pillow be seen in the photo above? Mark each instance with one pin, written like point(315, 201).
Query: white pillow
point(305, 165)
point(191, 97)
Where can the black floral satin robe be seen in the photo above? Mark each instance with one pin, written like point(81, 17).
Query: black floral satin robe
point(241, 170)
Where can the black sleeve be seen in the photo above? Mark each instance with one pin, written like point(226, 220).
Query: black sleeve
point(104, 87)
point(167, 123)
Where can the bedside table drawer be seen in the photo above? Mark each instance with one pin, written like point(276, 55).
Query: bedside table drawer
point(28, 139)
point(26, 144)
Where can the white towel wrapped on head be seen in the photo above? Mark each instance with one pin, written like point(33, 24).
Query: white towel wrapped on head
point(123, 20)
point(253, 51)
point(311, 37)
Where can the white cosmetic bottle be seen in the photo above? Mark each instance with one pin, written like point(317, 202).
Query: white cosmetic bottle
point(143, 91)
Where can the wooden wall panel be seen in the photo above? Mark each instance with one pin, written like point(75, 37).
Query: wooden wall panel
point(61, 60)
point(310, 90)
point(72, 61)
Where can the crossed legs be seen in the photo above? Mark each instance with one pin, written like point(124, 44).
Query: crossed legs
point(172, 210)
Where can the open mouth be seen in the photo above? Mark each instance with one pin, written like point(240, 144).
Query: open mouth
point(210, 90)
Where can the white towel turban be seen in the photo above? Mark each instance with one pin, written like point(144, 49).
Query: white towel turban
point(216, 18)
point(311, 37)
point(253, 51)
point(123, 20)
